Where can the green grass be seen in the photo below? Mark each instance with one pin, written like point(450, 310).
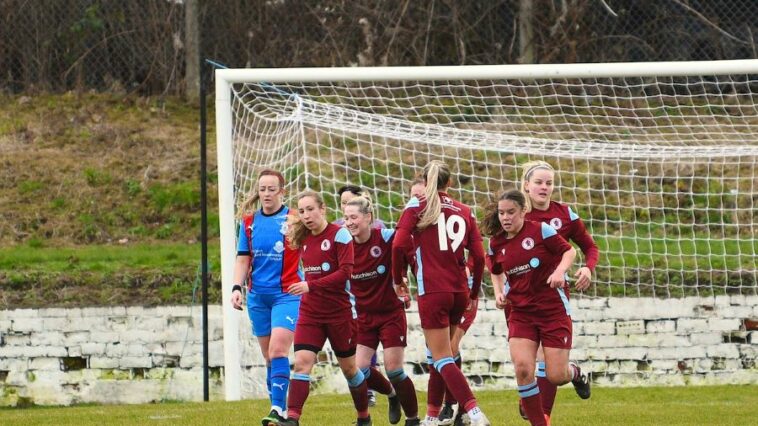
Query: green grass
point(127, 169)
point(34, 276)
point(713, 405)
point(166, 257)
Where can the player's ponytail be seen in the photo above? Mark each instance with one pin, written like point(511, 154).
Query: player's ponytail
point(296, 230)
point(437, 176)
point(490, 225)
point(250, 204)
point(528, 170)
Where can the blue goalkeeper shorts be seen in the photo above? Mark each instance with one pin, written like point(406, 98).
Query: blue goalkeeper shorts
point(272, 310)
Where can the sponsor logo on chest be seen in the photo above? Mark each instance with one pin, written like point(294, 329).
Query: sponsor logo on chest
point(381, 269)
point(534, 263)
point(324, 267)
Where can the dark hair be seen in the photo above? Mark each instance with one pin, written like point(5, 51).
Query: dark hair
point(490, 225)
point(353, 189)
point(296, 230)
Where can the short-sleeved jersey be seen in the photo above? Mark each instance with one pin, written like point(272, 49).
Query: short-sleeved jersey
point(440, 262)
point(274, 264)
point(569, 226)
point(327, 264)
point(528, 259)
point(371, 280)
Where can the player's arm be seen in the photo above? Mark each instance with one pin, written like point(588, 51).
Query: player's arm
point(241, 268)
point(343, 244)
point(498, 278)
point(402, 244)
point(586, 243)
point(476, 256)
point(557, 245)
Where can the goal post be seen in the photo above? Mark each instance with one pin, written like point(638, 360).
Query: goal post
point(659, 159)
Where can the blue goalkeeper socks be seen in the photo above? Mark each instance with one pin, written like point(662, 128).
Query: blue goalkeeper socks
point(280, 382)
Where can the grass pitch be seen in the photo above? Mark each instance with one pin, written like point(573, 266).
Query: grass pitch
point(712, 405)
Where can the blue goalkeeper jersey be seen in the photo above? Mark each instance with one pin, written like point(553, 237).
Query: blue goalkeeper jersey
point(275, 265)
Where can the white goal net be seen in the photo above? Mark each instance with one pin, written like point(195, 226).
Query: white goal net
point(659, 160)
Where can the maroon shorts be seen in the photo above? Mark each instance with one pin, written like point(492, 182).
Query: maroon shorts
point(553, 331)
point(311, 335)
point(469, 316)
point(389, 328)
point(441, 310)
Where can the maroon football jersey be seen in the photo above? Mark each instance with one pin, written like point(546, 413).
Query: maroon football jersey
point(371, 280)
point(440, 262)
point(570, 227)
point(327, 265)
point(528, 259)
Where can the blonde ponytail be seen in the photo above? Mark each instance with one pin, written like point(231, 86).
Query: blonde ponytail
point(437, 176)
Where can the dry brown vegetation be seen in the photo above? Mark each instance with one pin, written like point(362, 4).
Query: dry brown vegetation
point(83, 169)
point(100, 200)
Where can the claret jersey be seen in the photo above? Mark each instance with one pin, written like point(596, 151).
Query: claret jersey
point(527, 260)
point(327, 264)
point(371, 280)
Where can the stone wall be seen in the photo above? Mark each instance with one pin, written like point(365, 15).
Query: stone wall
point(135, 354)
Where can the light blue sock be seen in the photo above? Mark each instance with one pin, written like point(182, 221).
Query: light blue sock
point(540, 369)
point(280, 382)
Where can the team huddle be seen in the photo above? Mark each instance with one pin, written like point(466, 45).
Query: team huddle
point(309, 280)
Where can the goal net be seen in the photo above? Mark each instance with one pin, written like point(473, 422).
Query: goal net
point(659, 160)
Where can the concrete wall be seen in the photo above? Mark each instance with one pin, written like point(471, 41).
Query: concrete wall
point(135, 354)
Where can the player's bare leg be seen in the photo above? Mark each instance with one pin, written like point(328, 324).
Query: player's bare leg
point(560, 371)
point(523, 353)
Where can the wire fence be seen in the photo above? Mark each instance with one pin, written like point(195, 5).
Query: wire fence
point(149, 47)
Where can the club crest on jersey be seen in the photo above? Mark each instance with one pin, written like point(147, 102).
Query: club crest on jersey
point(279, 247)
point(527, 243)
point(325, 245)
point(375, 251)
point(556, 223)
point(447, 200)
